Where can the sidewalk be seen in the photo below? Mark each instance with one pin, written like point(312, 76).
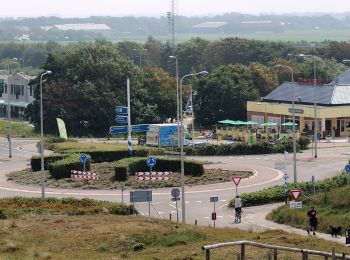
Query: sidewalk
point(257, 214)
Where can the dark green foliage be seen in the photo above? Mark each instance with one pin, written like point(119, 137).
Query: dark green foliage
point(35, 161)
point(128, 167)
point(62, 168)
point(239, 149)
point(304, 142)
point(276, 193)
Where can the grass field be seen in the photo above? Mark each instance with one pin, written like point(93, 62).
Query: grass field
point(19, 129)
point(133, 237)
point(332, 210)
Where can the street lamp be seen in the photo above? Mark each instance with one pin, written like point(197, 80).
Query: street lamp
point(315, 101)
point(177, 98)
point(293, 108)
point(140, 61)
point(202, 73)
point(42, 134)
point(9, 111)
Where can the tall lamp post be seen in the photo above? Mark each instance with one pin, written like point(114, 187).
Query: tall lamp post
point(182, 145)
point(177, 98)
point(293, 108)
point(42, 134)
point(140, 60)
point(8, 72)
point(315, 100)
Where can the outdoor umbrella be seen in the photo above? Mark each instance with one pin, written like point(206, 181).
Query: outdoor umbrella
point(269, 124)
point(288, 124)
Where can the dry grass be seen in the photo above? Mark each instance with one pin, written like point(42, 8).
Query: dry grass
point(132, 237)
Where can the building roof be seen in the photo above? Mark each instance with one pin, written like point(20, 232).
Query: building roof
point(210, 25)
point(328, 94)
point(82, 26)
point(343, 78)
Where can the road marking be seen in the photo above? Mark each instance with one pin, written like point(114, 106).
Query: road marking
point(206, 217)
point(198, 201)
point(222, 200)
point(222, 206)
point(179, 209)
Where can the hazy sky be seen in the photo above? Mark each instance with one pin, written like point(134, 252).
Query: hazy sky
point(84, 8)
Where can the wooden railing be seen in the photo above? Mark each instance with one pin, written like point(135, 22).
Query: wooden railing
point(305, 253)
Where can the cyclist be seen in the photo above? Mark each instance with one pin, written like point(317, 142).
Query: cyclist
point(238, 209)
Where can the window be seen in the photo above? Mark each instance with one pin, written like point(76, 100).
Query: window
point(30, 91)
point(5, 88)
point(22, 90)
point(12, 89)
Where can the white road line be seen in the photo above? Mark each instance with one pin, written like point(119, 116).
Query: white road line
point(206, 217)
point(198, 201)
point(222, 200)
point(222, 206)
point(179, 209)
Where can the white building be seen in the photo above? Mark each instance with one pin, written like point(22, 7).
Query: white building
point(15, 89)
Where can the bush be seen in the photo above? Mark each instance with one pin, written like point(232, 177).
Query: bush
point(35, 161)
point(62, 168)
point(129, 166)
point(304, 142)
point(99, 156)
point(239, 149)
point(276, 193)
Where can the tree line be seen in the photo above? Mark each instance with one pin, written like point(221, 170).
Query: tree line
point(89, 79)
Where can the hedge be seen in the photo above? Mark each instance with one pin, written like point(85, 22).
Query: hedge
point(128, 167)
point(62, 168)
point(35, 161)
point(99, 156)
point(277, 194)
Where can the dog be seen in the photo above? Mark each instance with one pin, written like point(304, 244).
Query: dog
point(336, 231)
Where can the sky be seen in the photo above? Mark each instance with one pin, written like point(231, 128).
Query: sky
point(85, 8)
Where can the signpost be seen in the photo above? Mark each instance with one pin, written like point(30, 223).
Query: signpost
point(286, 177)
point(151, 162)
point(142, 196)
point(124, 129)
point(296, 193)
point(121, 119)
point(347, 169)
point(83, 159)
point(236, 180)
point(121, 110)
point(175, 193)
point(122, 187)
point(213, 215)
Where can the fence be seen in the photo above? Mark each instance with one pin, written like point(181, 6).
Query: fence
point(305, 253)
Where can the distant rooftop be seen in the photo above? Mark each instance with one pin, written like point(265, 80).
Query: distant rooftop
point(256, 22)
point(210, 25)
point(78, 26)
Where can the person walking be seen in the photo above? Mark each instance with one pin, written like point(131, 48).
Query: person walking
point(312, 215)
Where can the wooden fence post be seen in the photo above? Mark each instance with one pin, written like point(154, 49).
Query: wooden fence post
point(275, 254)
point(242, 251)
point(333, 253)
point(207, 254)
point(343, 256)
point(238, 256)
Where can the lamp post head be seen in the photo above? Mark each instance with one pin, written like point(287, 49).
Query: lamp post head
point(203, 73)
point(278, 66)
point(172, 57)
point(49, 72)
point(345, 61)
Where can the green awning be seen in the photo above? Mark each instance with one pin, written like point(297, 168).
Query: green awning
point(269, 124)
point(288, 124)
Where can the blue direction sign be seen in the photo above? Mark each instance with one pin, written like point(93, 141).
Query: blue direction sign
point(347, 168)
point(121, 119)
point(121, 110)
point(151, 161)
point(83, 158)
point(124, 129)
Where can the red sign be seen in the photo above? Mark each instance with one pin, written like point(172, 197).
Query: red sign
point(213, 216)
point(296, 194)
point(303, 81)
point(236, 179)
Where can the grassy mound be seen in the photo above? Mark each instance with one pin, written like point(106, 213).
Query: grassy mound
point(332, 209)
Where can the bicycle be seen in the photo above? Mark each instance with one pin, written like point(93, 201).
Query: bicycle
point(238, 216)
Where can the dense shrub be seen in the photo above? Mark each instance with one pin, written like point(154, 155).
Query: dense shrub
point(240, 148)
point(129, 166)
point(62, 168)
point(99, 156)
point(35, 161)
point(276, 193)
point(304, 142)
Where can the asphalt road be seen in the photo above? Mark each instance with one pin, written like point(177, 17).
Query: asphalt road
point(330, 159)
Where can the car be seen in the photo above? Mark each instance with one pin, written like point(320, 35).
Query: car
point(197, 144)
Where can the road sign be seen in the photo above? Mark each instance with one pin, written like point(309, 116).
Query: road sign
point(121, 119)
point(140, 196)
point(347, 168)
point(121, 110)
point(83, 158)
point(214, 199)
point(296, 204)
point(124, 129)
point(175, 192)
point(151, 161)
point(296, 194)
point(213, 216)
point(285, 177)
point(236, 179)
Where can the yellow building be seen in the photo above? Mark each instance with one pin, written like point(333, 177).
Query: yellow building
point(332, 106)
